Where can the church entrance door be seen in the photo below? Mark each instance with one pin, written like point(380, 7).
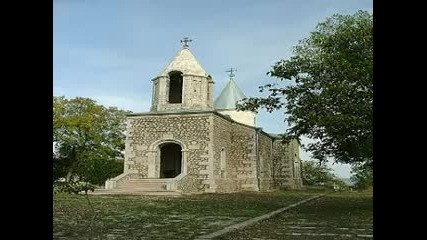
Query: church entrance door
point(170, 160)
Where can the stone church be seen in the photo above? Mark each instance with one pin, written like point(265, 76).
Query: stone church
point(190, 143)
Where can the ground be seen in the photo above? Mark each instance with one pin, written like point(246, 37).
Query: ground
point(333, 216)
point(186, 217)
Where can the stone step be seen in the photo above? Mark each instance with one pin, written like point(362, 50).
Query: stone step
point(143, 188)
point(136, 189)
point(117, 191)
point(142, 184)
point(148, 180)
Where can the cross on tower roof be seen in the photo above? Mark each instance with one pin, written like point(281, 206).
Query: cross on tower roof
point(231, 75)
point(186, 40)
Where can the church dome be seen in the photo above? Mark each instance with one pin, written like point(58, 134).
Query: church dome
point(229, 96)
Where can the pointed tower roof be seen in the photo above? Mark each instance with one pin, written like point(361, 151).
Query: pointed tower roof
point(185, 62)
point(229, 96)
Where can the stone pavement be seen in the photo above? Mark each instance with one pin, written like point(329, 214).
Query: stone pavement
point(253, 220)
point(294, 225)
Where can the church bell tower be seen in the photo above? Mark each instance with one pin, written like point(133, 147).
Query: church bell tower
point(183, 85)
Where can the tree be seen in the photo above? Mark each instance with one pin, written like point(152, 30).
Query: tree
point(58, 168)
point(318, 174)
point(328, 94)
point(315, 174)
point(89, 139)
point(362, 175)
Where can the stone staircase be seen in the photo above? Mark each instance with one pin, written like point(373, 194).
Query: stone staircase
point(140, 186)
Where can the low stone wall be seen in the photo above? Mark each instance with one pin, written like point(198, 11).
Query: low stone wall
point(236, 185)
point(189, 184)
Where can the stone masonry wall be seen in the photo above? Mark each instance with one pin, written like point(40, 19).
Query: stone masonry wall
point(222, 140)
point(193, 130)
point(244, 154)
point(195, 94)
point(240, 172)
point(189, 184)
point(282, 169)
point(238, 141)
point(204, 135)
point(266, 164)
point(296, 163)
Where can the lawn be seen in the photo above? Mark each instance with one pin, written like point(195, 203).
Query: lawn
point(149, 217)
point(333, 216)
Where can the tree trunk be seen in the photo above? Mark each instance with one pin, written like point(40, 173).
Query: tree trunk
point(70, 169)
point(69, 174)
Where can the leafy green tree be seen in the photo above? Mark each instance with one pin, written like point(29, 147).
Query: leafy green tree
point(58, 169)
point(89, 139)
point(328, 92)
point(362, 175)
point(315, 173)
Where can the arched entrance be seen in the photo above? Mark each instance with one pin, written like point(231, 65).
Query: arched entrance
point(170, 160)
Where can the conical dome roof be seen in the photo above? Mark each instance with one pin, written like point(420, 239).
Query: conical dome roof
point(185, 62)
point(229, 96)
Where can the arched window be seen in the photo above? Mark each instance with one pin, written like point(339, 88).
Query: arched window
point(175, 87)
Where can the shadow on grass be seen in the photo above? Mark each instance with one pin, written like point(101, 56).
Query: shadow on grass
point(154, 217)
point(337, 215)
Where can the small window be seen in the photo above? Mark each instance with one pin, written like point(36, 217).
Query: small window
point(223, 163)
point(222, 159)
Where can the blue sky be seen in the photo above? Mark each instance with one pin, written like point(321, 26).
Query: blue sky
point(109, 50)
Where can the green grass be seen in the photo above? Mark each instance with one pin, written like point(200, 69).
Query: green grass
point(148, 217)
point(334, 216)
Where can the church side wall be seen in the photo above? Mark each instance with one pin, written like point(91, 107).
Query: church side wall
point(283, 160)
point(239, 144)
point(296, 163)
point(192, 130)
point(222, 142)
point(266, 163)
